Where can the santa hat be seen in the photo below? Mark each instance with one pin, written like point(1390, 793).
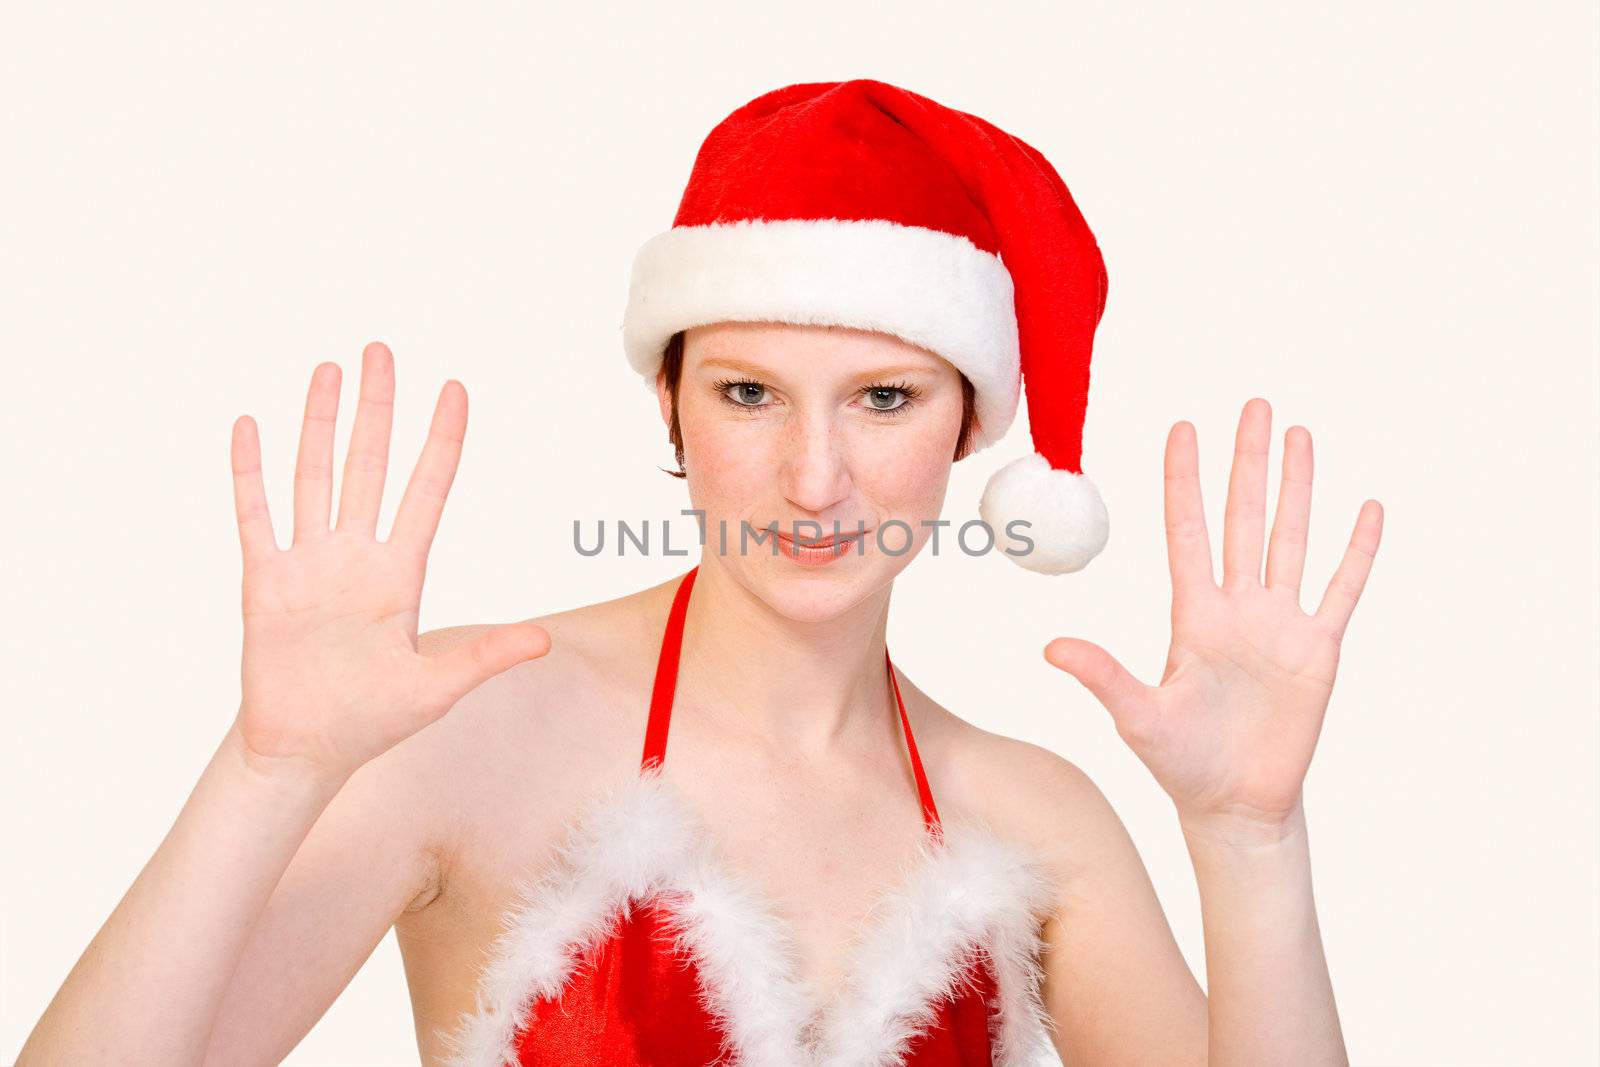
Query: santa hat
point(861, 204)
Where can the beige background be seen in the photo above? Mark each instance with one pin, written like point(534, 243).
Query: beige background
point(1380, 217)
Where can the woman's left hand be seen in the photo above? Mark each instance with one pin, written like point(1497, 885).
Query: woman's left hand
point(1230, 730)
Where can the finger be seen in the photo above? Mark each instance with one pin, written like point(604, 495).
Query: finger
point(1188, 543)
point(1286, 551)
point(1244, 517)
point(461, 670)
point(1127, 699)
point(1339, 601)
point(367, 463)
point(249, 495)
point(418, 518)
point(313, 468)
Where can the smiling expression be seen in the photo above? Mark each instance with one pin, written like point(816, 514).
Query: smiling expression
point(796, 425)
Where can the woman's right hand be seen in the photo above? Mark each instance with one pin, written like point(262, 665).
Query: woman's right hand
point(331, 673)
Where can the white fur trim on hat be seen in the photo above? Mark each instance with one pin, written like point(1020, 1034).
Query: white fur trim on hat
point(933, 289)
point(1066, 519)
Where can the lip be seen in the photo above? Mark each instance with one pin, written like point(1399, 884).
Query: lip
point(824, 542)
point(821, 552)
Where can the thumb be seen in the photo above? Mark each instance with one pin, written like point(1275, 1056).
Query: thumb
point(1124, 696)
point(498, 648)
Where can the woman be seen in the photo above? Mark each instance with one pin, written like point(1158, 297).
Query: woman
point(501, 796)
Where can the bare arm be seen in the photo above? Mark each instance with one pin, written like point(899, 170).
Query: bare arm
point(1230, 730)
point(332, 678)
point(1265, 966)
point(377, 852)
point(148, 985)
point(1116, 985)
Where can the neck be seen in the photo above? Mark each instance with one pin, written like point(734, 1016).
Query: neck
point(801, 687)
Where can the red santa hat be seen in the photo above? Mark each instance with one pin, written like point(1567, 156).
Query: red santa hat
point(861, 204)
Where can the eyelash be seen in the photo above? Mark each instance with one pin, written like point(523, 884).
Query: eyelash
point(906, 389)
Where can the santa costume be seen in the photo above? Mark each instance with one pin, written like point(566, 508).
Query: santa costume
point(856, 204)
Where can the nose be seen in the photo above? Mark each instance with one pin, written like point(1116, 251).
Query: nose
point(815, 474)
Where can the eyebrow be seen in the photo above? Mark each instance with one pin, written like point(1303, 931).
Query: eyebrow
point(875, 372)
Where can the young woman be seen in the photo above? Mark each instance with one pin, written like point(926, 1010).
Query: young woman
point(830, 867)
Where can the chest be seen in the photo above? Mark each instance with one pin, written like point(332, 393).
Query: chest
point(818, 854)
point(637, 932)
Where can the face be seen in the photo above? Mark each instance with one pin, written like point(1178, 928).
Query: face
point(801, 425)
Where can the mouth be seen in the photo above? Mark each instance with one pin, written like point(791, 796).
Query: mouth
point(843, 537)
point(824, 549)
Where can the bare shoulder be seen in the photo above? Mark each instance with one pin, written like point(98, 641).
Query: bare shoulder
point(596, 650)
point(1108, 916)
point(1027, 793)
point(1114, 976)
point(532, 738)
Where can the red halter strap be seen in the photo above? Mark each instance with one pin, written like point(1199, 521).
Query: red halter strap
point(666, 684)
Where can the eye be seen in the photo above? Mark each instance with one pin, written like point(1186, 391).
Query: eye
point(747, 393)
point(886, 398)
point(744, 393)
point(891, 399)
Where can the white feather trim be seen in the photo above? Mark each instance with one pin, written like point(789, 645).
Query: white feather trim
point(972, 892)
point(933, 289)
point(968, 892)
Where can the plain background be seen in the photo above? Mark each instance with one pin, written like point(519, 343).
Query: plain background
point(1380, 217)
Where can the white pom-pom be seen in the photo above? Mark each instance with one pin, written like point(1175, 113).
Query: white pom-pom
point(1059, 512)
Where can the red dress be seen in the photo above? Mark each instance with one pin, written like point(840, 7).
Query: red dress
point(637, 948)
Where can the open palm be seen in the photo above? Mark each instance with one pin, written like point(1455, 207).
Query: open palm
point(331, 673)
point(1230, 730)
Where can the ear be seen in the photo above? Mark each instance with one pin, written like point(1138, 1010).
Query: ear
point(664, 398)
